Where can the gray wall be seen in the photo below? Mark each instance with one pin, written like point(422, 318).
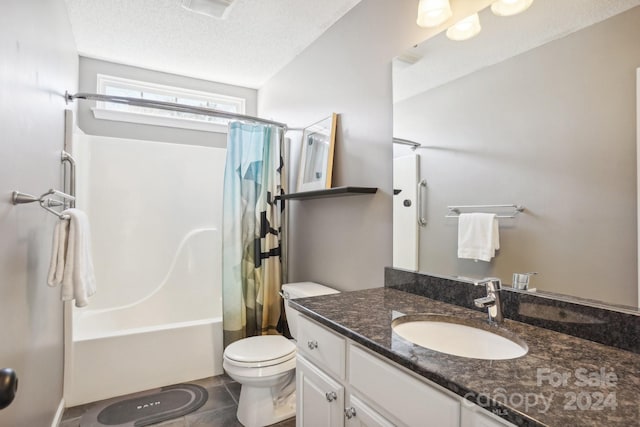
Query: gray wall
point(553, 129)
point(39, 62)
point(346, 242)
point(90, 68)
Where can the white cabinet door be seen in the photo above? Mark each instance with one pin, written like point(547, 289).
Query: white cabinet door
point(359, 414)
point(320, 399)
point(475, 416)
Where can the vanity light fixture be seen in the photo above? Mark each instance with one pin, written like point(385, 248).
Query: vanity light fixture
point(214, 8)
point(465, 29)
point(432, 13)
point(510, 7)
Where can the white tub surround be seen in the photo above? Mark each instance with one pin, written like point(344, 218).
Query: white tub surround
point(157, 317)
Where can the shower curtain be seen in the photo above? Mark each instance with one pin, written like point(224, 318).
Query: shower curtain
point(252, 267)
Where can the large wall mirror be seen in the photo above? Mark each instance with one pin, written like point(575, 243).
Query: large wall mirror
point(540, 110)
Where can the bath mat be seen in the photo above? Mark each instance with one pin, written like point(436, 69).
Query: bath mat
point(150, 407)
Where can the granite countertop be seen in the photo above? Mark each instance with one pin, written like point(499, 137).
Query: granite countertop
point(561, 381)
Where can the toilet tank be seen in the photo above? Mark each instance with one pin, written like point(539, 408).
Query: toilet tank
point(301, 290)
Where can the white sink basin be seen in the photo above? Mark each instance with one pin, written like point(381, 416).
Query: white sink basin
point(459, 337)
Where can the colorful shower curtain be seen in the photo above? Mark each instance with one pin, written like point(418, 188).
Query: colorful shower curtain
point(252, 268)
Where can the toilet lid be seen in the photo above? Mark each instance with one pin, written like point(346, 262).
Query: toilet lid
point(263, 350)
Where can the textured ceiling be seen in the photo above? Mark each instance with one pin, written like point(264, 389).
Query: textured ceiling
point(255, 41)
point(440, 60)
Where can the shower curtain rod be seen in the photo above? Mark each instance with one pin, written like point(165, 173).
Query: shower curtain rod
point(170, 106)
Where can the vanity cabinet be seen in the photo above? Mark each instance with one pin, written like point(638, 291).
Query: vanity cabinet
point(321, 402)
point(341, 384)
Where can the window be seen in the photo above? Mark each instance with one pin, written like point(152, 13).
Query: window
point(116, 86)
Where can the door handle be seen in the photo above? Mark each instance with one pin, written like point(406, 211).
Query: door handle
point(8, 386)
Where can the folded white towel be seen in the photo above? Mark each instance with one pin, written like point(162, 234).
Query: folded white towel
point(478, 236)
point(71, 261)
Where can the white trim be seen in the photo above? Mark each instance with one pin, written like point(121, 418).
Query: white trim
point(105, 111)
point(102, 80)
point(57, 418)
point(148, 119)
point(638, 171)
point(68, 351)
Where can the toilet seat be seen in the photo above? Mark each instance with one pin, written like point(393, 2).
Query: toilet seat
point(260, 351)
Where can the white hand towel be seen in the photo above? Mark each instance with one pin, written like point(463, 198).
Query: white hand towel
point(71, 260)
point(478, 236)
point(58, 252)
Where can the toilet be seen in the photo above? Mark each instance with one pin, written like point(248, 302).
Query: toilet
point(265, 366)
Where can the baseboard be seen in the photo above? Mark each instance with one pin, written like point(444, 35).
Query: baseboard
point(57, 418)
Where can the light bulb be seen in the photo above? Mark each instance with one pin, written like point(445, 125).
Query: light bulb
point(465, 29)
point(510, 7)
point(432, 13)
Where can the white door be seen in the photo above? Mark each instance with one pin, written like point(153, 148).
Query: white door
point(405, 212)
point(638, 169)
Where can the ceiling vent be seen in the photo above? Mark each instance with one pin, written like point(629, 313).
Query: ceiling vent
point(215, 8)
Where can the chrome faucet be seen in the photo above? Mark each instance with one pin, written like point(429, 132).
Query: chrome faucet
point(492, 300)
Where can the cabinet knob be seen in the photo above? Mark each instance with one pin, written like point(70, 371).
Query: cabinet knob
point(312, 344)
point(350, 412)
point(331, 396)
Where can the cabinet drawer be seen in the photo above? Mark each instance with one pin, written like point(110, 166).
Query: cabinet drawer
point(362, 415)
point(322, 346)
point(410, 400)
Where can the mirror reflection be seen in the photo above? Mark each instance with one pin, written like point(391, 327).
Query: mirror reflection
point(539, 110)
point(316, 160)
point(317, 150)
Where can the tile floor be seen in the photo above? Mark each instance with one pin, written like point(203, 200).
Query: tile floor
point(219, 411)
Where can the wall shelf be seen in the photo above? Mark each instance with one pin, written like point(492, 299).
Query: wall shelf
point(330, 192)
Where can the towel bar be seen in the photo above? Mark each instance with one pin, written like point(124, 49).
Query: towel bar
point(18, 198)
point(457, 210)
point(422, 216)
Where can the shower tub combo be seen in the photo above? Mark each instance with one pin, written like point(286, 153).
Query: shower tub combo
point(156, 318)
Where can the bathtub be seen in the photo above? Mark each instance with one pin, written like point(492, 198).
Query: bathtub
point(172, 335)
point(137, 360)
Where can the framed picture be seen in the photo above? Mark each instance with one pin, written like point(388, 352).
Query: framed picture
point(316, 158)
